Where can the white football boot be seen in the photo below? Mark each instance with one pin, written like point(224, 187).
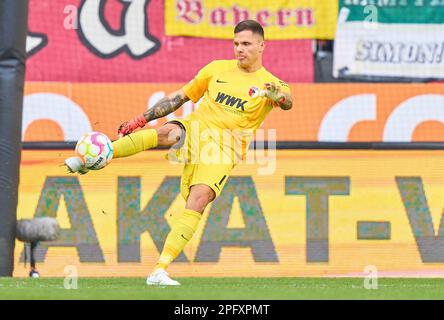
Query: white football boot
point(160, 278)
point(75, 164)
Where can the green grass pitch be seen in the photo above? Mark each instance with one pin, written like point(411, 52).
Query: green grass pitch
point(223, 289)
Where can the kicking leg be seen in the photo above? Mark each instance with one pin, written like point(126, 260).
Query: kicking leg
point(133, 143)
point(165, 136)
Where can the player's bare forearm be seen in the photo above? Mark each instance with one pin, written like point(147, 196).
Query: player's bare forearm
point(166, 106)
point(162, 108)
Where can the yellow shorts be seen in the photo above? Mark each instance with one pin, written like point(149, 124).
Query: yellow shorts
point(212, 174)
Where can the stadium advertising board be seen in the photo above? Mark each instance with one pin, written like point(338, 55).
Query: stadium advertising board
point(322, 112)
point(318, 213)
point(391, 38)
point(125, 41)
point(300, 19)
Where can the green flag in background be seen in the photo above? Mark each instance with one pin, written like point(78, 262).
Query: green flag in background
point(392, 38)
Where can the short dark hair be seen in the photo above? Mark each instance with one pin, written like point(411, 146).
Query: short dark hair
point(251, 25)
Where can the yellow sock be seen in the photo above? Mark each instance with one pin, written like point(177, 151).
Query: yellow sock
point(134, 143)
point(181, 232)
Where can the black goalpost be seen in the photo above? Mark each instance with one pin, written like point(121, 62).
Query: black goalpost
point(13, 31)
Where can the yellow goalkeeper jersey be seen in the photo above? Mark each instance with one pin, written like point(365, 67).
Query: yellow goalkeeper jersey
point(230, 98)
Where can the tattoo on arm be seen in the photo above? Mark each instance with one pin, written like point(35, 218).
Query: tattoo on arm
point(165, 106)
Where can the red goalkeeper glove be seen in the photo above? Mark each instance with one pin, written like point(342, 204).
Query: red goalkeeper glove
point(129, 126)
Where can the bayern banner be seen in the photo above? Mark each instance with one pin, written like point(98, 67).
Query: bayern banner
point(299, 19)
point(403, 39)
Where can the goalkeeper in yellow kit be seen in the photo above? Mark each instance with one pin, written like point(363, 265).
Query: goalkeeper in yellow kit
point(236, 97)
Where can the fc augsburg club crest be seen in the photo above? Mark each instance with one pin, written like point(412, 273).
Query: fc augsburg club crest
point(254, 92)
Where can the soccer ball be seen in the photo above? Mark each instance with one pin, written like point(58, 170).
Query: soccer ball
point(95, 150)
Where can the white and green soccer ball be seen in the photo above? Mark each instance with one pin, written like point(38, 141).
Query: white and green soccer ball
point(95, 150)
